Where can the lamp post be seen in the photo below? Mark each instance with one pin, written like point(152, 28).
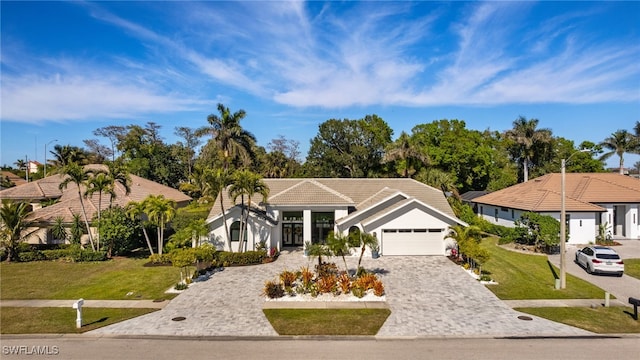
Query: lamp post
point(563, 222)
point(45, 157)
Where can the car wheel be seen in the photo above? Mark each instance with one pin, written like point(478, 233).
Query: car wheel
point(589, 269)
point(619, 274)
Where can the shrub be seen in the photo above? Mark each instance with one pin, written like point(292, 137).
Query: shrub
point(246, 258)
point(273, 289)
point(181, 286)
point(287, 278)
point(74, 254)
point(378, 288)
point(158, 259)
point(327, 284)
point(357, 291)
point(366, 281)
point(344, 281)
point(326, 269)
point(307, 276)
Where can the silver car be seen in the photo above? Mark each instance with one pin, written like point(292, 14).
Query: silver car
point(600, 259)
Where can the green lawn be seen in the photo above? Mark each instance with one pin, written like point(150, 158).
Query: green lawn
point(108, 280)
point(327, 321)
point(612, 320)
point(632, 267)
point(521, 276)
point(61, 320)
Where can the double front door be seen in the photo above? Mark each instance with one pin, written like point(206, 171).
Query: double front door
point(292, 234)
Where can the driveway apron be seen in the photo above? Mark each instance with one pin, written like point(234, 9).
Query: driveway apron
point(427, 295)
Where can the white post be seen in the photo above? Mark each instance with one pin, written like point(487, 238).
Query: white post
point(607, 298)
point(78, 306)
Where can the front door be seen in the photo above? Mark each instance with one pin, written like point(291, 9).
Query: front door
point(292, 234)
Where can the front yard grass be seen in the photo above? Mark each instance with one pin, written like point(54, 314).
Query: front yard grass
point(327, 321)
point(107, 280)
point(61, 320)
point(632, 267)
point(602, 320)
point(522, 276)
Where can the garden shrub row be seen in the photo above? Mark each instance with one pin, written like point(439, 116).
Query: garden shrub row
point(72, 254)
point(225, 258)
point(209, 254)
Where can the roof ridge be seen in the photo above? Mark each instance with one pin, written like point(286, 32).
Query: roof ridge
point(331, 190)
point(286, 190)
point(615, 183)
point(376, 194)
point(581, 187)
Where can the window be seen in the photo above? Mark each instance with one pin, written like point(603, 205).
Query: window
point(512, 214)
point(481, 210)
point(235, 231)
point(321, 226)
point(495, 213)
point(504, 209)
point(436, 230)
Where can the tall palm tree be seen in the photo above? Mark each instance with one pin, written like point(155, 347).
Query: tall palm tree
point(137, 211)
point(14, 227)
point(75, 173)
point(217, 181)
point(246, 183)
point(229, 137)
point(160, 211)
point(65, 154)
point(620, 142)
point(21, 164)
point(406, 153)
point(529, 141)
point(99, 183)
point(117, 174)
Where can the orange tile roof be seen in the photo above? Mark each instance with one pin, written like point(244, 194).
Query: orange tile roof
point(583, 192)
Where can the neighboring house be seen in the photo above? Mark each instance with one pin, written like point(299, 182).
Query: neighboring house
point(33, 165)
point(406, 216)
point(8, 176)
point(592, 199)
point(470, 196)
point(49, 202)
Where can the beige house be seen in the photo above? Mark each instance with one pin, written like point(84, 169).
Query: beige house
point(49, 202)
point(592, 199)
point(406, 216)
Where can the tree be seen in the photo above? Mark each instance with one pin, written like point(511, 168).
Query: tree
point(438, 179)
point(58, 229)
point(64, 155)
point(246, 183)
point(366, 241)
point(228, 136)
point(618, 143)
point(118, 231)
point(406, 156)
point(75, 173)
point(117, 174)
point(468, 239)
point(114, 133)
point(77, 230)
point(160, 212)
point(464, 154)
point(539, 230)
point(14, 227)
point(136, 212)
point(339, 246)
point(531, 144)
point(217, 181)
point(99, 183)
point(97, 153)
point(191, 141)
point(349, 148)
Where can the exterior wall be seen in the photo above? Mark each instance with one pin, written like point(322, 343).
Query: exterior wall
point(497, 215)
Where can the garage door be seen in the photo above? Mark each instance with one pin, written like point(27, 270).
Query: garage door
point(412, 242)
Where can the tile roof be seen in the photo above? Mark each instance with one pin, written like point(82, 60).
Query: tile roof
point(359, 193)
point(68, 199)
point(583, 192)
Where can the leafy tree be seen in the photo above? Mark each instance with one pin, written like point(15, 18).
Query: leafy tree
point(438, 179)
point(75, 173)
point(339, 246)
point(502, 172)
point(462, 153)
point(114, 133)
point(531, 144)
point(118, 231)
point(14, 227)
point(580, 161)
point(349, 148)
point(191, 141)
point(97, 153)
point(246, 183)
point(538, 230)
point(228, 136)
point(288, 147)
point(160, 212)
point(619, 143)
point(405, 155)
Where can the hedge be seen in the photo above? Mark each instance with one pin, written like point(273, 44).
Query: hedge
point(70, 254)
point(226, 258)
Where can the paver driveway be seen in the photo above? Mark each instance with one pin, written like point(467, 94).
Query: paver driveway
point(428, 296)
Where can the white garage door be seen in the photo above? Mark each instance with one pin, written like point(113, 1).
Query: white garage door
point(412, 242)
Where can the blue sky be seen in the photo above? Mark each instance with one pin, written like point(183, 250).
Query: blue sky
point(71, 67)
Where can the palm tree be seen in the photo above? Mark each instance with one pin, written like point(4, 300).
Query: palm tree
point(438, 179)
point(339, 246)
point(99, 183)
point(160, 211)
point(228, 136)
point(65, 154)
point(529, 141)
point(78, 175)
point(406, 154)
point(136, 210)
point(118, 174)
point(217, 181)
point(246, 183)
point(620, 142)
point(58, 230)
point(14, 227)
point(77, 229)
point(21, 164)
point(366, 241)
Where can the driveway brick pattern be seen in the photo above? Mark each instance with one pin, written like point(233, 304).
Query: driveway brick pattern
point(428, 296)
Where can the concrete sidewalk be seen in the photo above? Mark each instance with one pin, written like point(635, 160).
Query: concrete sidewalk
point(146, 304)
point(562, 303)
